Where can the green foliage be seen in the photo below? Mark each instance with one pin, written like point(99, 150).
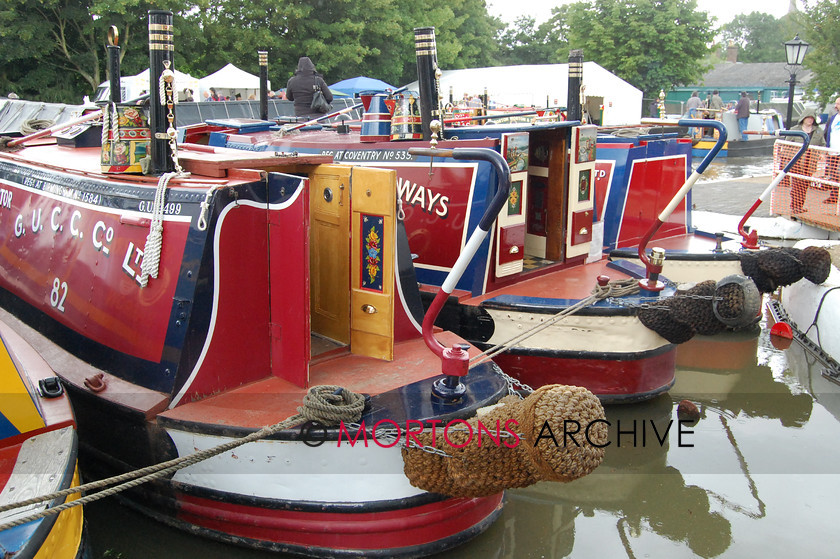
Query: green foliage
point(54, 49)
point(653, 44)
point(823, 21)
point(759, 36)
point(523, 43)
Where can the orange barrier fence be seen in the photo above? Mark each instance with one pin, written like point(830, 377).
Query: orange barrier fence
point(809, 191)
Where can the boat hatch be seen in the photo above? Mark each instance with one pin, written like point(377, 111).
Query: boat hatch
point(352, 257)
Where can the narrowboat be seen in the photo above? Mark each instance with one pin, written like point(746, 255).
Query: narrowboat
point(574, 192)
point(766, 122)
point(768, 267)
point(259, 310)
point(38, 455)
point(807, 311)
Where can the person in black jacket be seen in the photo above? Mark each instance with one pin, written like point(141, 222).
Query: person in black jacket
point(301, 88)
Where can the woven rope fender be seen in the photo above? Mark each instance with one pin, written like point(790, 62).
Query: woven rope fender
point(487, 467)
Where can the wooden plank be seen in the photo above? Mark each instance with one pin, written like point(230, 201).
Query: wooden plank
point(217, 164)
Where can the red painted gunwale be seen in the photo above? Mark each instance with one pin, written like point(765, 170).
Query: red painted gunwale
point(365, 531)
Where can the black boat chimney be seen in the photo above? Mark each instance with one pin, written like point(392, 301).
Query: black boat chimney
point(426, 49)
point(573, 110)
point(161, 115)
point(114, 64)
point(263, 84)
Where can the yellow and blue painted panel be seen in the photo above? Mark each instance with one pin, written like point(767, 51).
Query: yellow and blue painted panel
point(18, 411)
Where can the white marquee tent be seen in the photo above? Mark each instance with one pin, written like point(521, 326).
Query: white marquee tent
point(539, 85)
point(229, 81)
point(134, 86)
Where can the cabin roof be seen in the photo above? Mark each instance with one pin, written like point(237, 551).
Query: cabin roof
point(768, 75)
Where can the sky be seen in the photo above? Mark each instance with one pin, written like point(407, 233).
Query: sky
point(724, 10)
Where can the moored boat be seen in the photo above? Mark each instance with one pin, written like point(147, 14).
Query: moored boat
point(38, 456)
point(749, 255)
point(573, 192)
point(764, 122)
point(812, 310)
point(188, 310)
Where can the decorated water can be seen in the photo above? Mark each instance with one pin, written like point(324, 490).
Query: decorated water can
point(376, 122)
point(125, 138)
point(406, 123)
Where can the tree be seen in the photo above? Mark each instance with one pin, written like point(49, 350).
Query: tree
point(523, 43)
point(344, 38)
point(54, 50)
point(653, 44)
point(759, 37)
point(823, 58)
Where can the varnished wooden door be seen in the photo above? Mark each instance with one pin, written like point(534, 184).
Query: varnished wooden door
point(372, 262)
point(329, 252)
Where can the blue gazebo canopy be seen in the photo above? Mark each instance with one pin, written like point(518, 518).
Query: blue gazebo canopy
point(361, 84)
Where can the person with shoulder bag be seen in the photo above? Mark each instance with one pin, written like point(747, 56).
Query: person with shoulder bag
point(305, 87)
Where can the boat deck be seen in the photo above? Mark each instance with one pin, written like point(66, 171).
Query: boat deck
point(211, 165)
point(577, 282)
point(257, 404)
point(272, 399)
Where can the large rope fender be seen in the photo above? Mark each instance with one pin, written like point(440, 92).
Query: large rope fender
point(778, 267)
point(538, 453)
point(706, 308)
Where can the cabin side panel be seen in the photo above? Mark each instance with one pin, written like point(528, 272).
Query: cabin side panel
point(236, 349)
point(79, 262)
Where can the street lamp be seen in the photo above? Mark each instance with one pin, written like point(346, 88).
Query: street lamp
point(795, 50)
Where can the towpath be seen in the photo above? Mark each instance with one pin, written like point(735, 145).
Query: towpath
point(731, 196)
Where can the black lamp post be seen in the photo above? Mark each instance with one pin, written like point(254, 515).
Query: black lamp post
point(795, 50)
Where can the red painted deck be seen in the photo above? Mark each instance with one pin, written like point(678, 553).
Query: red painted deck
point(577, 282)
point(271, 400)
point(219, 166)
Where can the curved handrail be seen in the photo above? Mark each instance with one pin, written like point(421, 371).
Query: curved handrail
point(496, 204)
point(681, 193)
point(750, 240)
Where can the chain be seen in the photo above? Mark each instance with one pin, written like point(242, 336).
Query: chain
point(167, 97)
point(621, 303)
point(512, 382)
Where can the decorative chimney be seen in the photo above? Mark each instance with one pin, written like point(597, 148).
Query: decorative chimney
point(732, 52)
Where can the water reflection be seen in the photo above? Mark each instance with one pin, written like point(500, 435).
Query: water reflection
point(635, 487)
point(759, 480)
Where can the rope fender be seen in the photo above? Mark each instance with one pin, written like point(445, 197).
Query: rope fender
point(539, 453)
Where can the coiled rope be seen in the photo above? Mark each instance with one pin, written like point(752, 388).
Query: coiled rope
point(34, 124)
point(326, 404)
point(154, 240)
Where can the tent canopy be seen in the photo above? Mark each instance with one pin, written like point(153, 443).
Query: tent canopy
point(231, 80)
point(134, 86)
point(361, 84)
point(539, 85)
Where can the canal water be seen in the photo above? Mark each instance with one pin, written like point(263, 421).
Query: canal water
point(757, 476)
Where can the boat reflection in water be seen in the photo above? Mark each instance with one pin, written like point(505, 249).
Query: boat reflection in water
point(759, 480)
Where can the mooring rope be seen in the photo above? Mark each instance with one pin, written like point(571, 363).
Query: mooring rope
point(34, 124)
point(154, 240)
point(326, 404)
point(616, 288)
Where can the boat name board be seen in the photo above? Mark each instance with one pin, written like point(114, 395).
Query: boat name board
point(369, 154)
point(59, 190)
